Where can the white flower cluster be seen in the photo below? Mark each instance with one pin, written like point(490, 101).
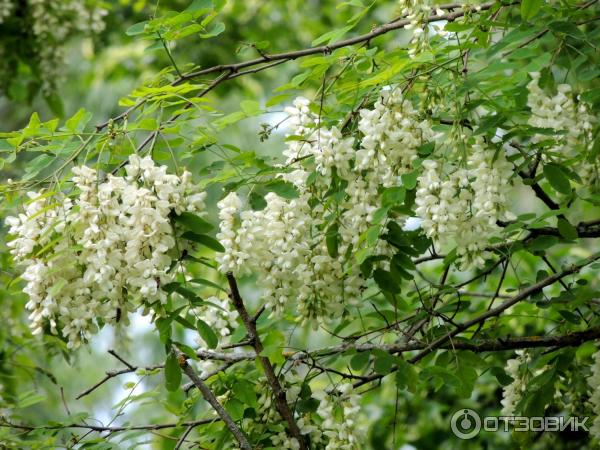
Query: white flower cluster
point(340, 419)
point(223, 317)
point(560, 113)
point(105, 252)
point(285, 243)
point(463, 206)
point(50, 24)
point(417, 11)
point(513, 392)
point(336, 424)
point(594, 385)
point(273, 243)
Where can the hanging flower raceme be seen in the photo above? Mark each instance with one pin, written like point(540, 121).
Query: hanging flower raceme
point(91, 259)
point(461, 207)
point(513, 392)
point(571, 120)
point(286, 242)
point(340, 417)
point(417, 12)
point(337, 422)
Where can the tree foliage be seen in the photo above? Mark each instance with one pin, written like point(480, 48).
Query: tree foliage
point(302, 225)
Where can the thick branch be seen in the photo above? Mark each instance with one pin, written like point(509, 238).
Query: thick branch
point(278, 392)
point(326, 49)
point(481, 345)
point(210, 398)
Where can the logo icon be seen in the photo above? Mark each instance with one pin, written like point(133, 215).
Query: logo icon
point(465, 424)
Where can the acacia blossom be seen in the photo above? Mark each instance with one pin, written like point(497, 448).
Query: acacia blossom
point(92, 259)
point(560, 113)
point(337, 422)
point(341, 428)
point(462, 207)
point(513, 392)
point(285, 244)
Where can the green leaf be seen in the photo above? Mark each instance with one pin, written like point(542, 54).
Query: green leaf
point(530, 8)
point(331, 36)
point(386, 281)
point(393, 196)
point(331, 240)
point(360, 360)
point(257, 201)
point(402, 260)
point(273, 343)
point(409, 180)
point(207, 334)
point(503, 378)
point(406, 376)
point(282, 188)
point(244, 391)
point(216, 29)
point(566, 230)
point(541, 243)
point(78, 122)
point(235, 408)
point(164, 329)
point(181, 290)
point(426, 149)
point(206, 282)
point(250, 107)
point(383, 362)
point(189, 351)
point(205, 240)
point(557, 178)
point(569, 316)
point(136, 29)
point(200, 5)
point(172, 372)
point(28, 398)
point(568, 28)
point(193, 223)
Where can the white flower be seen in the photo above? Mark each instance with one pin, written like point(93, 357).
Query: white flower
point(109, 251)
point(285, 242)
point(343, 431)
point(513, 392)
point(560, 113)
point(463, 207)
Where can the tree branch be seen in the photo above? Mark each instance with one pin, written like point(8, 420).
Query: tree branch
point(6, 424)
point(210, 398)
point(228, 358)
point(479, 346)
point(525, 293)
point(326, 49)
point(231, 71)
point(278, 392)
